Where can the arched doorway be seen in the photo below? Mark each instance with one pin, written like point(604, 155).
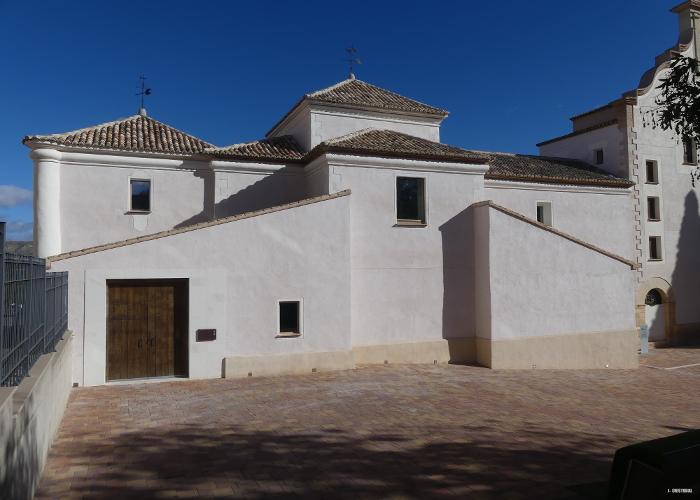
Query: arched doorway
point(655, 315)
point(655, 308)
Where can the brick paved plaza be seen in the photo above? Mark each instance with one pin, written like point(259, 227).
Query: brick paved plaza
point(376, 432)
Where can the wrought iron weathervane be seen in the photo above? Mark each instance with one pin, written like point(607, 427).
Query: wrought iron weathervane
point(143, 93)
point(352, 59)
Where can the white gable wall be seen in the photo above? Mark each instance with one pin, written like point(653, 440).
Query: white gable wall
point(547, 302)
point(329, 122)
point(312, 124)
point(583, 146)
point(237, 272)
point(298, 125)
point(577, 210)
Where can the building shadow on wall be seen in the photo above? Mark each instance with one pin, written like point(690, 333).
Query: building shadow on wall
point(278, 188)
point(685, 278)
point(223, 460)
point(458, 307)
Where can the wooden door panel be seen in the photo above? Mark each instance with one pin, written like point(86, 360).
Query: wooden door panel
point(137, 328)
point(117, 338)
point(166, 342)
point(153, 306)
point(161, 325)
point(146, 330)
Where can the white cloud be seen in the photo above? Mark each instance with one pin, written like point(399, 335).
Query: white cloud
point(20, 231)
point(13, 195)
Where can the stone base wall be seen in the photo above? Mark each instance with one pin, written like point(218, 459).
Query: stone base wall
point(439, 351)
point(574, 351)
point(456, 351)
point(30, 415)
point(287, 364)
point(612, 350)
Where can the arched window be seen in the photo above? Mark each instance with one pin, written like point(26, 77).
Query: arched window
point(653, 297)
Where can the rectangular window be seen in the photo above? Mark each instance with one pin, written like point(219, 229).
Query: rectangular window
point(653, 209)
point(289, 318)
point(652, 172)
point(599, 157)
point(654, 247)
point(140, 195)
point(410, 200)
point(544, 213)
point(689, 153)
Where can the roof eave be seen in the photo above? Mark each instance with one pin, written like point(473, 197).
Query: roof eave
point(261, 158)
point(605, 124)
point(34, 144)
point(612, 183)
point(324, 149)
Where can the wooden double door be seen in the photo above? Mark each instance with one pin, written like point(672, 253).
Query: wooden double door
point(146, 328)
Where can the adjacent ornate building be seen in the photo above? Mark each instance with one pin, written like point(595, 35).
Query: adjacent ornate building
point(622, 138)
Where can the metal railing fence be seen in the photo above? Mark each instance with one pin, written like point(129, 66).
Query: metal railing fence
point(33, 312)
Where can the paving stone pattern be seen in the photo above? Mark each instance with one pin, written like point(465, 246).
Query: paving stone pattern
point(396, 431)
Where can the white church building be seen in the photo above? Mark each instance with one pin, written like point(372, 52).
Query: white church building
point(351, 235)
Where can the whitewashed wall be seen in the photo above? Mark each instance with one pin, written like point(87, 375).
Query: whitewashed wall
point(312, 124)
point(601, 216)
point(244, 187)
point(331, 122)
point(545, 285)
point(93, 199)
point(583, 146)
point(91, 195)
point(237, 271)
point(297, 124)
point(409, 284)
point(317, 180)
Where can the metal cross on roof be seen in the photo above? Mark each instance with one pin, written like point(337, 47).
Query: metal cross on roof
point(144, 92)
point(352, 59)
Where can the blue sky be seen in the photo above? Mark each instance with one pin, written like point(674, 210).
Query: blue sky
point(510, 72)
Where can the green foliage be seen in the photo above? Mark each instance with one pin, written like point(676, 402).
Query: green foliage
point(679, 100)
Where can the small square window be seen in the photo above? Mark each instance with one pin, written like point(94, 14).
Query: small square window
point(654, 247)
point(140, 195)
point(652, 172)
point(289, 318)
point(544, 213)
point(689, 153)
point(599, 157)
point(653, 209)
point(410, 200)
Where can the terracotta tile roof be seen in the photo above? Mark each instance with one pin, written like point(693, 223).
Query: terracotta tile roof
point(372, 142)
point(359, 93)
point(354, 92)
point(283, 148)
point(531, 168)
point(136, 133)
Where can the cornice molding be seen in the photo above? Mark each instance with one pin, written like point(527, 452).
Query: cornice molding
point(333, 159)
